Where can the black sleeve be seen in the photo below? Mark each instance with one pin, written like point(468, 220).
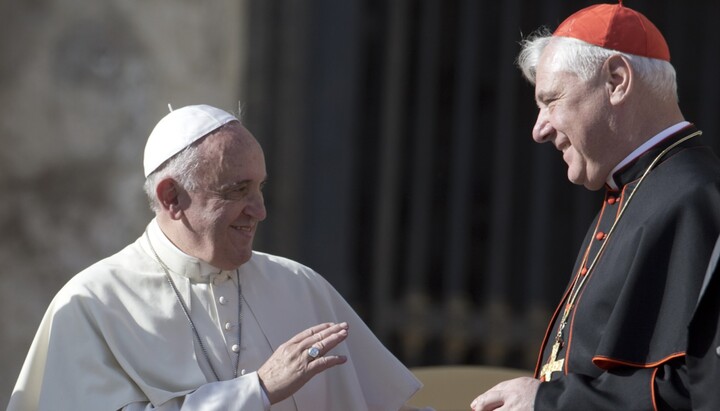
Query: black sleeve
point(703, 352)
point(619, 389)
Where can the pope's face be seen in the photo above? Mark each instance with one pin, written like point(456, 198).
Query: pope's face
point(574, 116)
point(223, 214)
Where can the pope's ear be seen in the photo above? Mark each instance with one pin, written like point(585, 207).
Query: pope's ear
point(619, 76)
point(168, 195)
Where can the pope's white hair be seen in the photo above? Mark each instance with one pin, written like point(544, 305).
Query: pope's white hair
point(182, 167)
point(585, 60)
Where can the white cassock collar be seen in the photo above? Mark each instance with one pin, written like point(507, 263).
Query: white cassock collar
point(181, 263)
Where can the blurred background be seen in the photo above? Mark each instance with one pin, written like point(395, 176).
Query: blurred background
point(397, 138)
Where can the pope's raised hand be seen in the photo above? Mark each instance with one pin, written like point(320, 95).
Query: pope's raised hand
point(299, 359)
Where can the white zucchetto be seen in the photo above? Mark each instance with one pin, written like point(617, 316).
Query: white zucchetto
point(179, 129)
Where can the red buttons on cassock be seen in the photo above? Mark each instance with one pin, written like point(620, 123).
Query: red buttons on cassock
point(584, 271)
point(600, 236)
point(611, 200)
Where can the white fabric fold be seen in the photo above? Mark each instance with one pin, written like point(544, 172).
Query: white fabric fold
point(114, 336)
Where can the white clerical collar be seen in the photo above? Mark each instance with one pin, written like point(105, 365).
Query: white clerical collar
point(642, 149)
point(180, 262)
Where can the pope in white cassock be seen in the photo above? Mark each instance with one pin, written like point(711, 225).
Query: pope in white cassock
point(190, 317)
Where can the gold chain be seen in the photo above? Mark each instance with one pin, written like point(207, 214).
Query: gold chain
point(577, 285)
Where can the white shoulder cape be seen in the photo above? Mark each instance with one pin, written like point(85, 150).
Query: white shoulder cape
point(114, 335)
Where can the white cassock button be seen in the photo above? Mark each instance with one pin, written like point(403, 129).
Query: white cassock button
point(228, 326)
point(222, 300)
point(242, 372)
point(235, 348)
point(717, 351)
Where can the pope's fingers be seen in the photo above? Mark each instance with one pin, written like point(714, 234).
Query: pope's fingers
point(301, 358)
point(328, 339)
point(321, 364)
point(316, 332)
point(309, 332)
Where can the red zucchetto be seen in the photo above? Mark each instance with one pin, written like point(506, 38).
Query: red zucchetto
point(616, 27)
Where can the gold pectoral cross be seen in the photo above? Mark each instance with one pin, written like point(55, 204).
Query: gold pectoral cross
point(553, 364)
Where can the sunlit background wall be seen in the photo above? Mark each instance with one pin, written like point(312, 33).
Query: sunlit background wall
point(397, 137)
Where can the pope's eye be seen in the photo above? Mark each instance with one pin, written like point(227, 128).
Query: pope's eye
point(235, 193)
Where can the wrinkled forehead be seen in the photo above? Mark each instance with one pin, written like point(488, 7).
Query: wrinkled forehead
point(231, 153)
point(231, 136)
